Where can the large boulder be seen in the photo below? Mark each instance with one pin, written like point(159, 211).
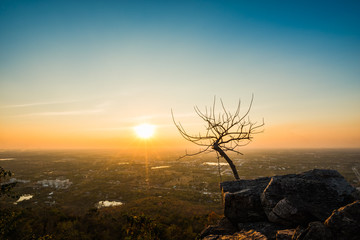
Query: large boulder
point(315, 231)
point(267, 229)
point(242, 200)
point(223, 227)
point(301, 198)
point(345, 222)
point(263, 208)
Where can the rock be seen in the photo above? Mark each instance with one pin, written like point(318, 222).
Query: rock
point(301, 198)
point(263, 208)
point(251, 234)
point(315, 231)
point(224, 227)
point(356, 194)
point(242, 201)
point(268, 229)
point(211, 237)
point(345, 222)
point(212, 230)
point(288, 214)
point(298, 231)
point(243, 235)
point(285, 234)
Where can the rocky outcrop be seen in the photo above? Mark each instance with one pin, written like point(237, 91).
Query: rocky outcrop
point(345, 222)
point(311, 202)
point(242, 201)
point(224, 227)
point(315, 231)
point(268, 229)
point(242, 235)
point(286, 234)
point(310, 196)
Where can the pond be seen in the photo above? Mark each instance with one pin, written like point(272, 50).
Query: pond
point(106, 203)
point(159, 167)
point(6, 159)
point(23, 198)
point(214, 164)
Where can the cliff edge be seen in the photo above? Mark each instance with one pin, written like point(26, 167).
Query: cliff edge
point(317, 204)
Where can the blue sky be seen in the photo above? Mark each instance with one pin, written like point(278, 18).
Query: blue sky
point(119, 61)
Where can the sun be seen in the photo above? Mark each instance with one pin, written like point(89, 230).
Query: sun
point(145, 130)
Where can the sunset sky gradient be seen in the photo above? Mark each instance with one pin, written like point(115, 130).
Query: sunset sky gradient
point(82, 74)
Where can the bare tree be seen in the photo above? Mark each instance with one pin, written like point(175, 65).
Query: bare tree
point(224, 131)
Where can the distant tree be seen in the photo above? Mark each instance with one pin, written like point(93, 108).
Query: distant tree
point(6, 186)
point(224, 131)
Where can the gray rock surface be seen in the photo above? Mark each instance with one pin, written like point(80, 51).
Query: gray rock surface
point(264, 208)
point(242, 235)
point(311, 196)
point(298, 232)
point(345, 222)
point(224, 227)
point(286, 234)
point(242, 201)
point(268, 229)
point(315, 231)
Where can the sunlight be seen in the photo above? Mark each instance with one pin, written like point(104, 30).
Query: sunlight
point(144, 130)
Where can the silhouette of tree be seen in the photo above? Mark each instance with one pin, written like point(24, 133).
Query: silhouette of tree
point(5, 186)
point(224, 131)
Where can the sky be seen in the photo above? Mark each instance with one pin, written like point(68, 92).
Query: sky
point(82, 74)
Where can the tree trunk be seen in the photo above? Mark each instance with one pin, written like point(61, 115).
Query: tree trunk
point(224, 155)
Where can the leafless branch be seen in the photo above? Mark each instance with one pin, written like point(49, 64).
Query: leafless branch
point(224, 131)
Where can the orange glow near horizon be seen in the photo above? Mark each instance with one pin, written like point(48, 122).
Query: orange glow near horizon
point(295, 135)
point(127, 131)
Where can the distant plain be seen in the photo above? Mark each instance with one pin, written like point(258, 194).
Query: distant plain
point(79, 180)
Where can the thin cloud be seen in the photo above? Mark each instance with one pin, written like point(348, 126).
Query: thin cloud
point(65, 113)
point(157, 116)
point(98, 108)
point(36, 104)
point(110, 129)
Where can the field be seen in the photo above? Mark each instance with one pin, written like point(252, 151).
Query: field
point(172, 192)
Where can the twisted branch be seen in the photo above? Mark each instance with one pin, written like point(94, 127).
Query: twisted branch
point(223, 132)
